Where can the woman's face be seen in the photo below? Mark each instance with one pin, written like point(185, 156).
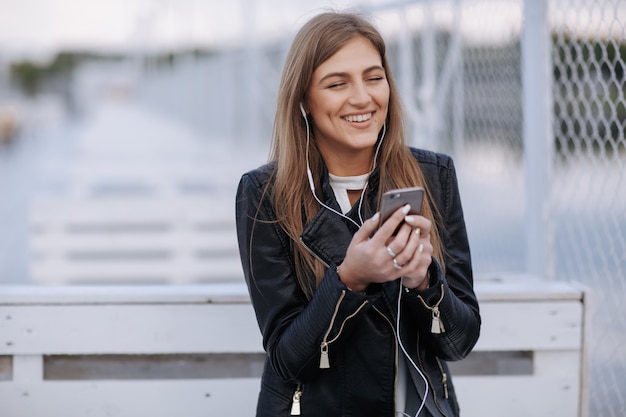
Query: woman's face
point(348, 99)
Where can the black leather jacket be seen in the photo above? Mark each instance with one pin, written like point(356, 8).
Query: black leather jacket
point(356, 332)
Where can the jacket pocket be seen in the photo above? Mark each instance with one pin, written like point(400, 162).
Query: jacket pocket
point(275, 400)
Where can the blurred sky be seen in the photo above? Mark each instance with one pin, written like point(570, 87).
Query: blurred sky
point(42, 26)
point(39, 28)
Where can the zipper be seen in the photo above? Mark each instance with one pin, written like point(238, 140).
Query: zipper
point(295, 404)
point(324, 359)
point(314, 254)
point(430, 383)
point(436, 324)
point(444, 378)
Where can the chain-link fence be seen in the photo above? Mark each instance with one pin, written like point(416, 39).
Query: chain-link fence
point(586, 181)
point(589, 185)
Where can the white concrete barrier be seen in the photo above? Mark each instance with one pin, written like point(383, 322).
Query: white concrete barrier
point(195, 350)
point(134, 241)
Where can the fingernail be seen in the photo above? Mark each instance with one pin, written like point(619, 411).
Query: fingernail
point(420, 248)
point(409, 219)
point(406, 209)
point(418, 231)
point(375, 217)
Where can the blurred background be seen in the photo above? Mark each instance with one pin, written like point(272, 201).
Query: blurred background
point(125, 126)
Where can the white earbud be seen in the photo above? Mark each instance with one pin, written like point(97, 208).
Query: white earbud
point(308, 168)
point(311, 183)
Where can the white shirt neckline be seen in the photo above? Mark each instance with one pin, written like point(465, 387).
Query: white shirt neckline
point(341, 185)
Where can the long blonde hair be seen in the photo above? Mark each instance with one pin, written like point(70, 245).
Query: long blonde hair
point(292, 199)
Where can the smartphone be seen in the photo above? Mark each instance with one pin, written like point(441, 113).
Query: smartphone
point(394, 199)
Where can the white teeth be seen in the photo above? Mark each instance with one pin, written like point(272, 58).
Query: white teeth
point(359, 117)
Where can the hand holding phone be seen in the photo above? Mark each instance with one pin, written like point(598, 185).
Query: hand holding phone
point(394, 199)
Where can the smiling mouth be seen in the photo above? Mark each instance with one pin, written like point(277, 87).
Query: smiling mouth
point(358, 118)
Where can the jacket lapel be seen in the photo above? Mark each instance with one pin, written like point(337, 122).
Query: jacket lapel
point(328, 237)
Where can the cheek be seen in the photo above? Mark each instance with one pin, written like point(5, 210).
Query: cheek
point(380, 96)
point(383, 97)
point(322, 105)
point(327, 114)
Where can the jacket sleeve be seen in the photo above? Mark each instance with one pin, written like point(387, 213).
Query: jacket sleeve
point(452, 293)
point(292, 326)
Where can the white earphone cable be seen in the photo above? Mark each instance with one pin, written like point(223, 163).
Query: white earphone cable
point(406, 354)
point(312, 186)
point(310, 175)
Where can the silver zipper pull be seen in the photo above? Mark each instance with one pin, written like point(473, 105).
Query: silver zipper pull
point(436, 326)
point(295, 405)
point(324, 361)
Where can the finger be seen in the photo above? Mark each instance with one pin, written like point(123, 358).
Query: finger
point(401, 238)
point(392, 223)
point(419, 222)
point(421, 256)
point(367, 229)
point(409, 245)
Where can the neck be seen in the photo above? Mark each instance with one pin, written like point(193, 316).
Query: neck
point(354, 195)
point(350, 163)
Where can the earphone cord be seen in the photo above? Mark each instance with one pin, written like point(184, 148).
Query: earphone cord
point(312, 183)
point(419, 410)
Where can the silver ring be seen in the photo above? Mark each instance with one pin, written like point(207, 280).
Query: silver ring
point(390, 252)
point(395, 264)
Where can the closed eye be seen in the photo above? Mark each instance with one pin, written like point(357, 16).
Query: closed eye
point(336, 85)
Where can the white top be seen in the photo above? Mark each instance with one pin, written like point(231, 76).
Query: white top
point(341, 185)
point(400, 385)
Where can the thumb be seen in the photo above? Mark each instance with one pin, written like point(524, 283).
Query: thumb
point(368, 228)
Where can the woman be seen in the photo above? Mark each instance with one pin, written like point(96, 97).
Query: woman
point(356, 320)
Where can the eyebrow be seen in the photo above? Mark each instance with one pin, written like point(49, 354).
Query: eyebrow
point(345, 74)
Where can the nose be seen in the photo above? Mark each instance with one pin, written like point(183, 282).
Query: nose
point(360, 95)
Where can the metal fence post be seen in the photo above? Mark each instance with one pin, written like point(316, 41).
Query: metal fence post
point(537, 133)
